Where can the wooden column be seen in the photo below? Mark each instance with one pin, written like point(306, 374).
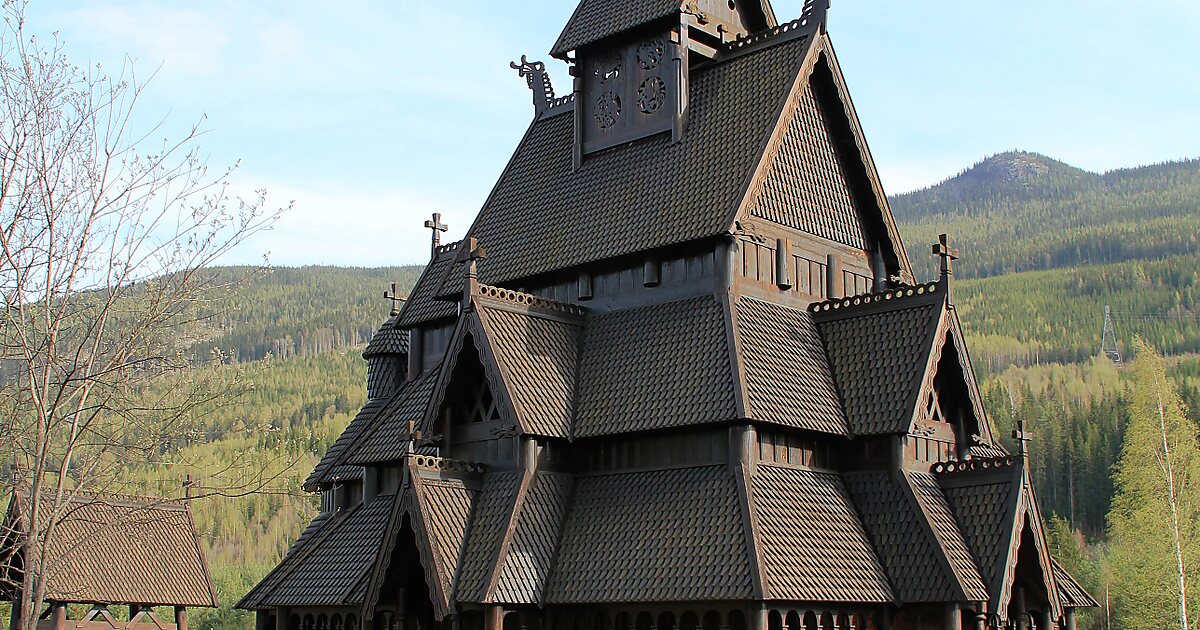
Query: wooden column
point(1047, 620)
point(58, 615)
point(181, 617)
point(1068, 619)
point(833, 277)
point(1022, 610)
point(15, 617)
point(494, 618)
point(981, 621)
point(758, 618)
point(884, 619)
point(952, 616)
point(282, 618)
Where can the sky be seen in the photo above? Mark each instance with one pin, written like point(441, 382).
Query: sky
point(370, 115)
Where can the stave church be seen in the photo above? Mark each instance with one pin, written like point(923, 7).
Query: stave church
point(678, 375)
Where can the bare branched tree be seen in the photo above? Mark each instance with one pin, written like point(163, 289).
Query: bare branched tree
point(105, 236)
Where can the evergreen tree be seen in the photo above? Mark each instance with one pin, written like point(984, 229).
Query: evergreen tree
point(1154, 523)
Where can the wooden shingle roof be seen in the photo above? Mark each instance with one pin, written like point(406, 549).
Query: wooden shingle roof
point(950, 539)
point(788, 380)
point(813, 545)
point(878, 347)
point(651, 193)
point(596, 19)
point(659, 366)
point(1073, 594)
point(493, 510)
point(387, 340)
point(385, 439)
point(119, 549)
point(525, 567)
point(662, 535)
point(333, 465)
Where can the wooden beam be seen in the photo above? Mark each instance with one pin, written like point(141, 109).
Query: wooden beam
point(181, 618)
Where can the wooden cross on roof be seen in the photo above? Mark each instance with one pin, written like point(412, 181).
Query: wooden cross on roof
point(1022, 438)
point(474, 252)
point(396, 299)
point(436, 226)
point(948, 254)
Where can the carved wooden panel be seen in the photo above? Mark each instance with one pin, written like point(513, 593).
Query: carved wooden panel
point(630, 90)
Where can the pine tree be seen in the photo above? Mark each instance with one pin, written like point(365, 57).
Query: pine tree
point(1154, 523)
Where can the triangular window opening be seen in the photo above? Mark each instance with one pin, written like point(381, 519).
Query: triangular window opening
point(473, 420)
point(948, 407)
point(405, 594)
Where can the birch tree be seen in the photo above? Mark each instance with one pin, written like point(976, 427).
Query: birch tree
point(1154, 524)
point(106, 231)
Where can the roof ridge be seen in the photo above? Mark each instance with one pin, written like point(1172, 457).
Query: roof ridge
point(112, 498)
point(971, 465)
point(513, 296)
point(899, 294)
point(769, 36)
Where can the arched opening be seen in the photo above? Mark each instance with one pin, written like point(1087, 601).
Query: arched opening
point(737, 620)
point(351, 622)
point(294, 622)
point(810, 621)
point(335, 622)
point(689, 621)
point(774, 620)
point(827, 621)
point(322, 622)
point(645, 621)
point(512, 621)
point(309, 623)
point(712, 620)
point(666, 621)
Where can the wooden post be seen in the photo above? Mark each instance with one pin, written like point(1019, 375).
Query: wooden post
point(833, 277)
point(952, 617)
point(783, 263)
point(1068, 619)
point(181, 618)
point(1047, 618)
point(494, 618)
point(414, 353)
point(759, 617)
point(884, 619)
point(981, 621)
point(58, 615)
point(15, 616)
point(282, 618)
point(1022, 610)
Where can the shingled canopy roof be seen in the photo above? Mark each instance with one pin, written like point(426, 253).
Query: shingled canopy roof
point(110, 549)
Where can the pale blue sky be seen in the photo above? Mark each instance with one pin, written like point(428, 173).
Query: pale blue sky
point(371, 115)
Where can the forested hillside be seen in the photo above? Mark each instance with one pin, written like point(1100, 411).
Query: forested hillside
point(1020, 211)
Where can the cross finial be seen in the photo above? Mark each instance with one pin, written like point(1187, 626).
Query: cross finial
point(474, 252)
point(436, 226)
point(1022, 437)
point(394, 296)
point(948, 254)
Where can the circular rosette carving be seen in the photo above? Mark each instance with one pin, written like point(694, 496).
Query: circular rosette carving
point(650, 53)
point(607, 68)
point(651, 94)
point(608, 109)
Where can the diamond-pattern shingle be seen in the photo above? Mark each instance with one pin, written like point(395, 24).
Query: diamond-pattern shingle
point(387, 340)
point(813, 545)
point(330, 571)
point(333, 465)
point(878, 358)
point(983, 512)
point(787, 374)
point(445, 506)
point(949, 535)
point(110, 548)
point(493, 509)
point(291, 559)
point(422, 305)
point(530, 557)
point(665, 365)
point(647, 194)
point(805, 185)
point(596, 19)
point(663, 535)
point(908, 554)
point(387, 437)
point(539, 358)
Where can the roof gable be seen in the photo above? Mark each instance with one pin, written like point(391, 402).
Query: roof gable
point(594, 20)
point(91, 558)
point(817, 157)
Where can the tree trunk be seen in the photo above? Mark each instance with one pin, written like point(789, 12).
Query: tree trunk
point(1170, 474)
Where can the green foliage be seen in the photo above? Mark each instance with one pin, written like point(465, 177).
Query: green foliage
point(301, 310)
point(1156, 508)
point(1084, 563)
point(1021, 211)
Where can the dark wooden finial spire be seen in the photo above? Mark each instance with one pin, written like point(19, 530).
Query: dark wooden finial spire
point(437, 227)
point(474, 253)
point(948, 254)
point(1022, 437)
point(394, 296)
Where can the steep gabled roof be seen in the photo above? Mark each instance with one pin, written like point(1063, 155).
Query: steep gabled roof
point(493, 513)
point(333, 465)
point(543, 215)
point(1070, 591)
point(788, 381)
point(525, 568)
point(654, 536)
point(440, 516)
point(110, 548)
point(994, 503)
point(329, 565)
point(909, 554)
point(386, 438)
point(951, 543)
point(812, 543)
point(596, 19)
point(654, 367)
point(535, 344)
point(422, 305)
point(879, 346)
